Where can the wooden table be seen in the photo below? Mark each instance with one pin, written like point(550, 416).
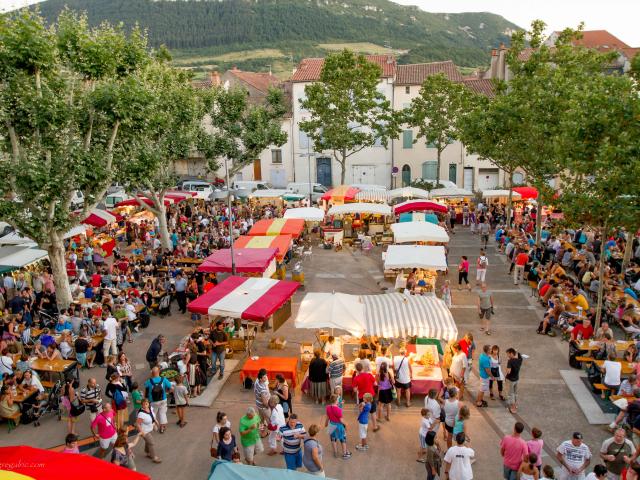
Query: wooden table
point(286, 366)
point(189, 261)
point(22, 394)
point(627, 367)
point(49, 368)
point(621, 345)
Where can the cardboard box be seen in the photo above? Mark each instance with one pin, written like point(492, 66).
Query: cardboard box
point(277, 343)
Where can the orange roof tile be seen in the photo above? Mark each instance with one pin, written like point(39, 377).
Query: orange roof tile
point(483, 86)
point(600, 40)
point(258, 80)
point(309, 69)
point(416, 74)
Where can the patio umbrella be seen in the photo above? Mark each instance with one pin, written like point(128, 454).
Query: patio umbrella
point(417, 205)
point(37, 464)
point(101, 218)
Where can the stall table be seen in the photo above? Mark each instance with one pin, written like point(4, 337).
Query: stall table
point(286, 366)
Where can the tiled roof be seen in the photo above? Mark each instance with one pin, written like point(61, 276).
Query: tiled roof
point(309, 69)
point(417, 73)
point(600, 40)
point(483, 86)
point(259, 81)
point(630, 53)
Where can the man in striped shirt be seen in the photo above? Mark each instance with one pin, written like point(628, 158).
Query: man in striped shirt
point(336, 370)
point(262, 394)
point(292, 435)
point(91, 397)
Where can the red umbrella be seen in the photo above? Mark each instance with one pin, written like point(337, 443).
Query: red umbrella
point(132, 202)
point(38, 464)
point(526, 192)
point(419, 205)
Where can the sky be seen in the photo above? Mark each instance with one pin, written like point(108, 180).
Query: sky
point(620, 17)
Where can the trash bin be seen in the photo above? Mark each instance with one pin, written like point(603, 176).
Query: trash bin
point(297, 275)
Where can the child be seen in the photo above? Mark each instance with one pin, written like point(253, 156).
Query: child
point(181, 395)
point(71, 444)
point(528, 470)
point(136, 401)
point(425, 426)
point(444, 391)
point(363, 421)
point(548, 473)
point(446, 293)
point(338, 392)
point(463, 416)
point(535, 445)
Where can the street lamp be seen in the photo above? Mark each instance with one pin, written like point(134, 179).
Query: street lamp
point(233, 260)
point(309, 154)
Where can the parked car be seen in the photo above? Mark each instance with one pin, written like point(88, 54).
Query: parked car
point(77, 200)
point(203, 189)
point(302, 188)
point(114, 198)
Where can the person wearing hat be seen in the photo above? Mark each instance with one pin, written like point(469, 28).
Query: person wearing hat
point(574, 456)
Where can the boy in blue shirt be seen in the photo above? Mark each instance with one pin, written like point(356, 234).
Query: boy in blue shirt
point(363, 421)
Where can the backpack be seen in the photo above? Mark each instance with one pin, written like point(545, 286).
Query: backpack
point(483, 262)
point(119, 400)
point(157, 391)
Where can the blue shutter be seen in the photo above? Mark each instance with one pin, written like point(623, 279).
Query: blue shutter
point(430, 170)
point(407, 139)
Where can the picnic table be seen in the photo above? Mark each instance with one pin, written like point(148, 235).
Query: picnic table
point(24, 393)
point(621, 345)
point(52, 368)
point(189, 261)
point(627, 367)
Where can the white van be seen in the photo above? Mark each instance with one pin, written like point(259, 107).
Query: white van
point(77, 200)
point(303, 188)
point(244, 188)
point(203, 189)
point(114, 198)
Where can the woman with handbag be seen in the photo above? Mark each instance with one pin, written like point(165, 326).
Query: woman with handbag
point(71, 405)
point(284, 393)
point(227, 447)
point(276, 420)
point(146, 422)
point(221, 421)
point(496, 371)
point(386, 391)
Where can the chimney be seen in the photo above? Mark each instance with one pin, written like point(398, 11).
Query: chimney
point(214, 77)
point(389, 59)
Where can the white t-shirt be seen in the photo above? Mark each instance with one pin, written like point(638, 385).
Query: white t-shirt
point(110, 326)
point(401, 367)
point(381, 360)
point(131, 311)
point(591, 476)
point(35, 382)
point(277, 416)
point(460, 460)
point(6, 365)
point(612, 372)
point(458, 364)
point(574, 457)
point(433, 406)
point(217, 427)
point(425, 426)
point(147, 421)
point(334, 348)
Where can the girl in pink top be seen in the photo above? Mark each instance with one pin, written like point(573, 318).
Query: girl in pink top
point(535, 445)
point(463, 272)
point(71, 444)
point(337, 431)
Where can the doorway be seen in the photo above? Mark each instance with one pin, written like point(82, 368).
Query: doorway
point(323, 171)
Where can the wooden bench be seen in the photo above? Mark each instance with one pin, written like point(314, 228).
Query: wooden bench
point(613, 398)
point(12, 420)
point(604, 389)
point(47, 384)
point(584, 359)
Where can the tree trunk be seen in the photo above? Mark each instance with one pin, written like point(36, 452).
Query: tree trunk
point(343, 166)
point(163, 229)
point(600, 278)
point(438, 172)
point(59, 269)
point(539, 221)
point(509, 200)
point(628, 250)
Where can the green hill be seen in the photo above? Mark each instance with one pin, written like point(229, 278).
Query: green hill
point(202, 34)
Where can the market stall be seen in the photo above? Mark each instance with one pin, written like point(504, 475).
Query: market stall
point(340, 195)
point(526, 193)
point(250, 261)
point(278, 226)
point(448, 193)
point(419, 205)
point(500, 195)
point(376, 196)
point(14, 257)
point(429, 260)
point(268, 197)
point(419, 232)
point(101, 218)
point(286, 366)
point(252, 299)
point(357, 220)
point(419, 217)
point(388, 316)
point(308, 214)
point(282, 243)
point(408, 192)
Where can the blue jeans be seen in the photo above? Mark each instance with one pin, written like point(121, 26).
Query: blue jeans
point(293, 460)
point(217, 356)
point(508, 473)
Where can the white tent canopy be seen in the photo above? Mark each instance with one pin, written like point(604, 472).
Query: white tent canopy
point(387, 315)
point(272, 193)
point(368, 186)
point(309, 214)
point(373, 196)
point(18, 256)
point(408, 192)
point(418, 256)
point(373, 208)
point(16, 238)
point(450, 192)
point(499, 193)
point(418, 232)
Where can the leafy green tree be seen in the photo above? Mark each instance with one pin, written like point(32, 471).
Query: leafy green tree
point(173, 129)
point(437, 111)
point(241, 131)
point(67, 93)
point(347, 112)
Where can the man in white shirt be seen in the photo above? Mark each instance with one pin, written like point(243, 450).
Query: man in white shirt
point(402, 369)
point(481, 268)
point(457, 460)
point(574, 456)
point(110, 327)
point(333, 347)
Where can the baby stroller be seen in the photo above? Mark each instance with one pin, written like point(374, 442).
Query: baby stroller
point(164, 305)
point(50, 405)
point(48, 319)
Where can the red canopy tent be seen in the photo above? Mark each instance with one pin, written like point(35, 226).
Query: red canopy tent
point(526, 192)
point(37, 464)
point(278, 226)
point(247, 260)
point(419, 205)
point(133, 202)
point(280, 242)
point(341, 194)
point(101, 218)
point(180, 195)
point(249, 298)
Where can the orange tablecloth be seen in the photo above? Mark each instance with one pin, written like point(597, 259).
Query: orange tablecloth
point(287, 366)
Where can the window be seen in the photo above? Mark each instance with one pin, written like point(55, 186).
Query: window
point(407, 89)
point(430, 170)
point(407, 139)
point(453, 172)
point(406, 175)
point(303, 140)
point(276, 156)
point(517, 178)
